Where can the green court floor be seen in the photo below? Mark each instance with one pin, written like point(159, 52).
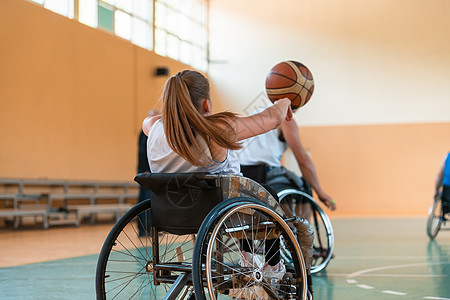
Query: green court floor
point(386, 258)
point(383, 258)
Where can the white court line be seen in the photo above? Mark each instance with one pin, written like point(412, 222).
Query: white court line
point(394, 293)
point(384, 275)
point(389, 257)
point(403, 275)
point(363, 273)
point(355, 274)
point(365, 286)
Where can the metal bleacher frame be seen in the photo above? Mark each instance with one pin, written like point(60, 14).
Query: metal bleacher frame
point(55, 208)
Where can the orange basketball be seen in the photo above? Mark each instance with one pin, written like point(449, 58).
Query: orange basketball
point(290, 79)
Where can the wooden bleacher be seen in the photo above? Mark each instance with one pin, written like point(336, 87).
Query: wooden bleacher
point(62, 202)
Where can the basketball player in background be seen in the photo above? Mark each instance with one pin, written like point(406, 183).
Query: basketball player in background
point(268, 149)
point(143, 167)
point(443, 181)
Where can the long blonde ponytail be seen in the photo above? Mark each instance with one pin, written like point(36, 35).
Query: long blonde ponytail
point(183, 94)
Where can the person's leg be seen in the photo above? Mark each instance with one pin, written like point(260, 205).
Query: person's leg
point(246, 245)
point(303, 209)
point(145, 223)
point(272, 246)
point(445, 199)
point(304, 203)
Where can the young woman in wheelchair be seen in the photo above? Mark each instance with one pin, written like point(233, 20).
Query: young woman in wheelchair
point(187, 138)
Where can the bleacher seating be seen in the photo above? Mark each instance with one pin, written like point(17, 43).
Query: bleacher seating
point(59, 202)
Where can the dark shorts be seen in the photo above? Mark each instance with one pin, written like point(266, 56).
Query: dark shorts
point(281, 179)
point(445, 196)
point(277, 178)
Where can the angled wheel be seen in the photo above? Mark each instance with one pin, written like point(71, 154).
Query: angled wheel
point(146, 265)
point(221, 270)
point(308, 208)
point(435, 215)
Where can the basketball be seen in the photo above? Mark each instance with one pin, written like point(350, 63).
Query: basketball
point(290, 79)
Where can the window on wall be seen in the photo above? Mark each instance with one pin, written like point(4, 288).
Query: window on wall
point(129, 19)
point(62, 7)
point(181, 31)
point(180, 26)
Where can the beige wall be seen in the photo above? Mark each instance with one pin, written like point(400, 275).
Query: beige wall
point(72, 97)
point(374, 61)
point(378, 124)
point(378, 169)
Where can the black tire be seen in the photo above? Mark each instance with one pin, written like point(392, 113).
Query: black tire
point(323, 245)
point(125, 268)
point(216, 271)
point(435, 214)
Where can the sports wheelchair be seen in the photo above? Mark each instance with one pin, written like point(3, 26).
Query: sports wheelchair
point(295, 197)
point(199, 223)
point(437, 216)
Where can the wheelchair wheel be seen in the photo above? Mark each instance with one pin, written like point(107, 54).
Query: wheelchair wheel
point(323, 246)
point(435, 214)
point(145, 265)
point(220, 270)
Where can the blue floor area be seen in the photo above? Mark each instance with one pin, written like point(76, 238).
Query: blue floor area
point(72, 278)
point(386, 259)
point(374, 259)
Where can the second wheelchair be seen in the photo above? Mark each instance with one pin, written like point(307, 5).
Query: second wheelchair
point(438, 216)
point(295, 197)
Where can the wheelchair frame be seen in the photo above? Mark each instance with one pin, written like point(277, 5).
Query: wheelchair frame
point(139, 265)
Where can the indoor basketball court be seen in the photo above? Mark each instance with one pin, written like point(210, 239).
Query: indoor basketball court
point(368, 90)
point(375, 258)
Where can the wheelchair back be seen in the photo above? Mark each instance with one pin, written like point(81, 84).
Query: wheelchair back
point(181, 201)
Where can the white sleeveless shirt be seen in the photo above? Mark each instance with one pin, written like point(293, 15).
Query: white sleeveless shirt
point(162, 159)
point(265, 148)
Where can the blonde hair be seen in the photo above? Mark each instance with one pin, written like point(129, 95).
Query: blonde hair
point(182, 98)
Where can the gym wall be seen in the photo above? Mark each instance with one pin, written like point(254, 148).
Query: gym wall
point(378, 124)
point(72, 97)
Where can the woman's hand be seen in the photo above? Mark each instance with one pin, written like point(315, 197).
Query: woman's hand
point(289, 114)
point(285, 106)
